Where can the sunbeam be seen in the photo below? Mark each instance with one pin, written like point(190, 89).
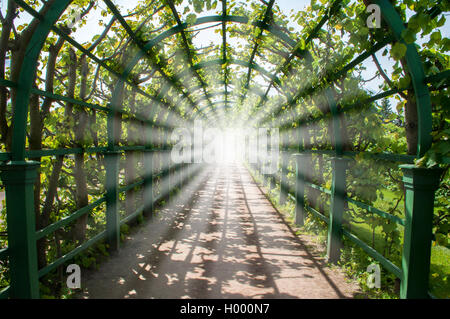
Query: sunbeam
point(246, 138)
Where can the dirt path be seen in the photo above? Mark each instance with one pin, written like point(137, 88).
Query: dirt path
point(220, 239)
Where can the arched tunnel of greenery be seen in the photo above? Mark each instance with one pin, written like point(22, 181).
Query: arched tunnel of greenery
point(92, 91)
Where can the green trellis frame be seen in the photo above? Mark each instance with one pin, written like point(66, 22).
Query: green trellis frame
point(18, 174)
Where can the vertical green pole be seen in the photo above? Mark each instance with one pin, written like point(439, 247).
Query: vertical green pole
point(148, 172)
point(268, 162)
point(338, 194)
point(271, 161)
point(148, 182)
point(283, 179)
point(192, 165)
point(251, 153)
point(300, 212)
point(272, 174)
point(181, 174)
point(112, 158)
point(246, 146)
point(112, 199)
point(187, 168)
point(169, 164)
point(256, 143)
point(420, 185)
point(186, 164)
point(178, 175)
point(19, 179)
point(258, 153)
point(272, 181)
point(191, 161)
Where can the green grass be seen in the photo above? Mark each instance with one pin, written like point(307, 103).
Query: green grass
point(439, 265)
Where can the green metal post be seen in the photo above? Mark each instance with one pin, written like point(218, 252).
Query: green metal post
point(338, 194)
point(112, 200)
point(19, 179)
point(420, 186)
point(246, 146)
point(148, 182)
point(272, 175)
point(190, 164)
point(300, 212)
point(258, 155)
point(283, 179)
point(178, 175)
point(272, 181)
point(183, 174)
point(258, 168)
point(268, 163)
point(251, 151)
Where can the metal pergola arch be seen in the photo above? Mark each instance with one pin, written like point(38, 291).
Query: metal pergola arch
point(221, 93)
point(220, 105)
point(224, 18)
point(252, 66)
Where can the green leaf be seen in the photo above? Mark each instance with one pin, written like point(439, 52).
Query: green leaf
point(198, 5)
point(301, 44)
point(441, 22)
point(409, 36)
point(413, 24)
point(405, 82)
point(436, 36)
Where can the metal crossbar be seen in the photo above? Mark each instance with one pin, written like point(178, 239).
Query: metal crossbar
point(148, 51)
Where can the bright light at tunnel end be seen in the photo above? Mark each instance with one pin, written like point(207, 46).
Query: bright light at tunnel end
point(226, 146)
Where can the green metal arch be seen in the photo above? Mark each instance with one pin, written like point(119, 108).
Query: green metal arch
point(214, 103)
point(275, 30)
point(415, 68)
point(190, 114)
point(25, 81)
point(221, 105)
point(253, 66)
point(203, 98)
point(209, 19)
